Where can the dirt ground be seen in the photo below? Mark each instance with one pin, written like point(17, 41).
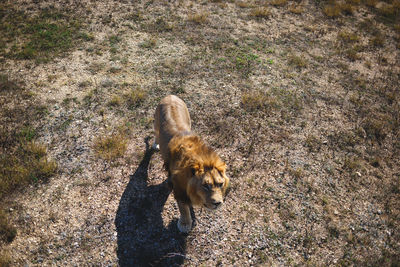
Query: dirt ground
point(303, 108)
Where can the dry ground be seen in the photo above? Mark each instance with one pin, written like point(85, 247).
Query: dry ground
point(301, 99)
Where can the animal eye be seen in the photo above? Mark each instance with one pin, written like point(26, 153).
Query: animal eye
point(218, 184)
point(206, 187)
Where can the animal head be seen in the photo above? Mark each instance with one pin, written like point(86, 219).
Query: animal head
point(209, 183)
point(199, 169)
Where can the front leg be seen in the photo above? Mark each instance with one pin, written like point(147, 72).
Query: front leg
point(185, 221)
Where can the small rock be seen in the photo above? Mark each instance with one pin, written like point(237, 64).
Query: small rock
point(335, 212)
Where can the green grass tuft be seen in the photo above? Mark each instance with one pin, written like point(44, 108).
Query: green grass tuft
point(41, 37)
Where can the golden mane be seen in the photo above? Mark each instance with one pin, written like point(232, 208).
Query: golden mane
point(189, 151)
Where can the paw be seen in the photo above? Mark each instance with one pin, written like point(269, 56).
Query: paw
point(155, 146)
point(184, 227)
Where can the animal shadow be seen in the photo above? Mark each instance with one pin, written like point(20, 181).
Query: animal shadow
point(141, 236)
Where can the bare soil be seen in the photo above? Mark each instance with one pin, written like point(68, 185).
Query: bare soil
point(306, 117)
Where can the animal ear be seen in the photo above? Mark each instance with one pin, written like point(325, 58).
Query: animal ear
point(221, 166)
point(227, 186)
point(227, 189)
point(197, 168)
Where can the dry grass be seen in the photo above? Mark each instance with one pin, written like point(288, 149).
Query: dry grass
point(110, 147)
point(348, 37)
point(27, 164)
point(258, 101)
point(5, 259)
point(115, 101)
point(302, 127)
point(22, 159)
point(296, 8)
point(199, 18)
point(377, 41)
point(278, 2)
point(244, 4)
point(260, 12)
point(7, 231)
point(332, 11)
point(370, 3)
point(135, 97)
point(347, 9)
point(297, 61)
point(149, 43)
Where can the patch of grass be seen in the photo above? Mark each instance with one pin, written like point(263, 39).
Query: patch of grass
point(84, 84)
point(114, 39)
point(110, 147)
point(353, 164)
point(275, 99)
point(135, 16)
point(41, 37)
point(313, 143)
point(296, 8)
point(27, 164)
point(344, 140)
point(332, 11)
point(68, 100)
point(242, 58)
point(348, 37)
point(352, 53)
point(353, 2)
point(278, 2)
point(260, 12)
point(7, 231)
point(135, 97)
point(375, 129)
point(244, 62)
point(377, 41)
point(93, 68)
point(198, 18)
point(297, 61)
point(115, 101)
point(347, 9)
point(370, 3)
point(297, 173)
point(149, 43)
point(160, 25)
point(5, 259)
point(390, 12)
point(333, 230)
point(28, 133)
point(258, 101)
point(22, 159)
point(244, 4)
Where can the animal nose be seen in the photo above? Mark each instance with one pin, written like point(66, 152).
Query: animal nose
point(217, 203)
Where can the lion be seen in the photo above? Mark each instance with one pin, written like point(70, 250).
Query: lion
point(195, 171)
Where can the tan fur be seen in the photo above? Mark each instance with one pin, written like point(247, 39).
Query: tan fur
point(197, 173)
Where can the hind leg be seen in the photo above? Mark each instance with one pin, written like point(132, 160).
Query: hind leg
point(156, 143)
point(155, 146)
